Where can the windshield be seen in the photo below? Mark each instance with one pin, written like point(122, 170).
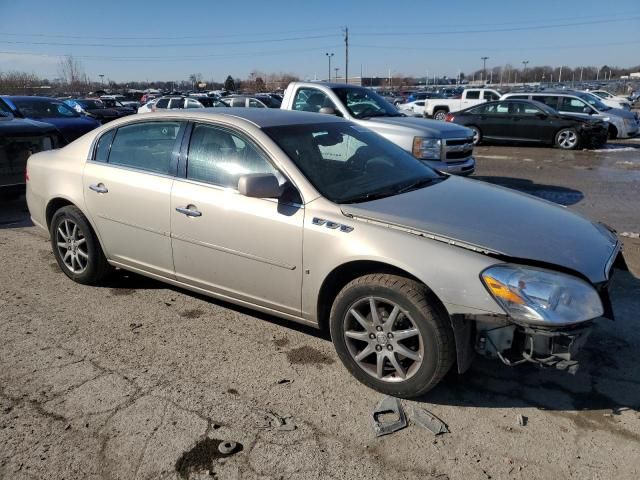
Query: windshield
point(43, 108)
point(347, 163)
point(4, 109)
point(363, 103)
point(593, 100)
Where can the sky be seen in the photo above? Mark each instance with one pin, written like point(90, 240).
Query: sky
point(169, 40)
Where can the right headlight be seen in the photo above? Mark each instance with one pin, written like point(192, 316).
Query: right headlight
point(543, 297)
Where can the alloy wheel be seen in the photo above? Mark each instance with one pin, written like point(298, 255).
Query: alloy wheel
point(383, 339)
point(567, 139)
point(72, 246)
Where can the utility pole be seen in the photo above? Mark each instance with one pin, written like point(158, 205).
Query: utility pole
point(329, 55)
point(346, 54)
point(336, 70)
point(581, 68)
point(101, 75)
point(560, 75)
point(524, 72)
point(484, 68)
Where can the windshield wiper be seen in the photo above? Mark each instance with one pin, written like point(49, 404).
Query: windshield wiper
point(367, 197)
point(421, 182)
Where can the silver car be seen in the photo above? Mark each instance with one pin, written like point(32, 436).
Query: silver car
point(318, 220)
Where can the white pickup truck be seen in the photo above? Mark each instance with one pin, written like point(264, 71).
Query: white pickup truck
point(437, 108)
point(444, 146)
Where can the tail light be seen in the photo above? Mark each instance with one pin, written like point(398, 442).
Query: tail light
point(449, 117)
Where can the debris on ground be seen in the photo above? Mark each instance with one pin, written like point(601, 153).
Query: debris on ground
point(281, 423)
point(522, 420)
point(227, 447)
point(388, 407)
point(201, 457)
point(284, 381)
point(428, 420)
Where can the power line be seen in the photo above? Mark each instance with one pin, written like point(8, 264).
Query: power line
point(494, 30)
point(497, 49)
point(168, 37)
point(165, 45)
point(175, 57)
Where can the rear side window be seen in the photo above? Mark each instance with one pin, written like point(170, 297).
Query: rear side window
point(473, 94)
point(146, 146)
point(548, 100)
point(574, 105)
point(220, 157)
point(311, 100)
point(103, 146)
point(162, 103)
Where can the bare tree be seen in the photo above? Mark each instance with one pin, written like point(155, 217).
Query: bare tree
point(71, 71)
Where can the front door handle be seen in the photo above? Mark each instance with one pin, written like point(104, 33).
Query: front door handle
point(189, 211)
point(100, 188)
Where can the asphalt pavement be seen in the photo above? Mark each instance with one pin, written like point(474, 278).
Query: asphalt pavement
point(139, 380)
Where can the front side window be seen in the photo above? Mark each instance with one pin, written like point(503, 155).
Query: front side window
point(473, 95)
point(176, 103)
point(364, 103)
point(253, 103)
point(501, 108)
point(311, 100)
point(349, 164)
point(146, 146)
point(193, 103)
point(220, 157)
point(491, 96)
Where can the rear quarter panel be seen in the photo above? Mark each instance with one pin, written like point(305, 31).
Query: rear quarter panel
point(56, 174)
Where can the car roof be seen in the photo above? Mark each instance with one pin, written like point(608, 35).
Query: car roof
point(260, 117)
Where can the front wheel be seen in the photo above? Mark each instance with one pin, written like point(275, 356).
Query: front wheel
point(76, 247)
point(567, 139)
point(389, 334)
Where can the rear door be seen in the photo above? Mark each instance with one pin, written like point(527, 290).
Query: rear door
point(496, 121)
point(127, 190)
point(472, 97)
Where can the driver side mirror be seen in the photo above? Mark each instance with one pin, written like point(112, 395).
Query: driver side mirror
point(541, 115)
point(329, 111)
point(588, 110)
point(259, 185)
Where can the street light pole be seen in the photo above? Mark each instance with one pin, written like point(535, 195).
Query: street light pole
point(524, 72)
point(101, 75)
point(329, 55)
point(484, 68)
point(336, 70)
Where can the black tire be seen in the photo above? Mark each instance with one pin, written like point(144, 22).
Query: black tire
point(97, 267)
point(477, 134)
point(613, 132)
point(439, 114)
point(419, 303)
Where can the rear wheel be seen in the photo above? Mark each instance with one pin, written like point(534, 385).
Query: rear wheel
point(567, 139)
point(613, 132)
point(439, 114)
point(76, 247)
point(477, 134)
point(389, 334)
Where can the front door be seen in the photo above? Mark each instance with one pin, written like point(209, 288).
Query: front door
point(249, 249)
point(127, 190)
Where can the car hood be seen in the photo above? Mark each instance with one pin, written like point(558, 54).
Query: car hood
point(498, 221)
point(73, 127)
point(24, 126)
point(421, 126)
point(104, 112)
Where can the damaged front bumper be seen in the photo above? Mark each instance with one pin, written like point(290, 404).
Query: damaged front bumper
point(514, 345)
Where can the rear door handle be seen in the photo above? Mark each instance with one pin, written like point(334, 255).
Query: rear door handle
point(189, 211)
point(100, 188)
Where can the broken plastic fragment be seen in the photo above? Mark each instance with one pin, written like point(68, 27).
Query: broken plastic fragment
point(522, 420)
point(426, 419)
point(388, 405)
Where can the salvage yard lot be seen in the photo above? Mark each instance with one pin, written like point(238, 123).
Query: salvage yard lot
point(120, 381)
